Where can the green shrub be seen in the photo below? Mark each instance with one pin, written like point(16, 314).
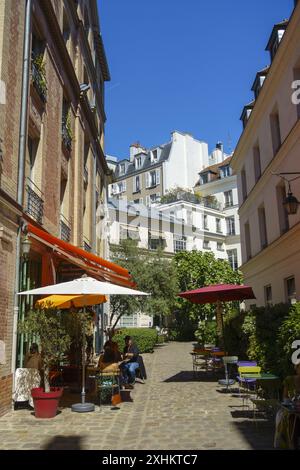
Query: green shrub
point(288, 333)
point(206, 332)
point(266, 335)
point(236, 341)
point(160, 339)
point(144, 338)
point(262, 325)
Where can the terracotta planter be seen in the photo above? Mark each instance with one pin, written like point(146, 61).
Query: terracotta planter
point(46, 404)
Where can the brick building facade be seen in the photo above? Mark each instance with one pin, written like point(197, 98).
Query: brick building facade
point(65, 172)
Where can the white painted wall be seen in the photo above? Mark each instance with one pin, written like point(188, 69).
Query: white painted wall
point(187, 157)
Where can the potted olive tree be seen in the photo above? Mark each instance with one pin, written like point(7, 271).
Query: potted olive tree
point(48, 327)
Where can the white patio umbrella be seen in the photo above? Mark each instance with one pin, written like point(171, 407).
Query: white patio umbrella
point(85, 286)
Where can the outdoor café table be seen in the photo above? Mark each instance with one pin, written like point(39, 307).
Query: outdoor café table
point(294, 416)
point(262, 376)
point(208, 355)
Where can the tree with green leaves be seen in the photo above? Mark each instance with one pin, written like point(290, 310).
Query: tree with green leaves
point(197, 269)
point(153, 273)
point(48, 326)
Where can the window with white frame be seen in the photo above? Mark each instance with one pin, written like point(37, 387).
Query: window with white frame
point(138, 162)
point(233, 259)
point(153, 178)
point(179, 243)
point(206, 245)
point(290, 288)
point(268, 294)
point(230, 223)
point(205, 222)
point(154, 197)
point(226, 171)
point(154, 243)
point(154, 156)
point(228, 195)
point(122, 169)
point(136, 184)
point(122, 187)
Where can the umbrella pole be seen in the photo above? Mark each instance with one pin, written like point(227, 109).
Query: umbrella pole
point(220, 325)
point(83, 407)
point(83, 364)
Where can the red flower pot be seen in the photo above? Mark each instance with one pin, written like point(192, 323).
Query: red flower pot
point(46, 404)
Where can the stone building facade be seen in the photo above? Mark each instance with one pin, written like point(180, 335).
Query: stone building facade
point(269, 147)
point(58, 207)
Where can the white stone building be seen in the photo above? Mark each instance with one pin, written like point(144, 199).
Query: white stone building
point(217, 180)
point(148, 174)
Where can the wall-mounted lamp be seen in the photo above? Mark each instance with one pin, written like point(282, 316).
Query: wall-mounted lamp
point(26, 245)
point(290, 202)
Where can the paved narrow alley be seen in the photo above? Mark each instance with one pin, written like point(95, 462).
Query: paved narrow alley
point(172, 410)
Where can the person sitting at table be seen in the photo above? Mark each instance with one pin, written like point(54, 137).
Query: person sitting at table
point(130, 355)
point(291, 388)
point(108, 361)
point(33, 359)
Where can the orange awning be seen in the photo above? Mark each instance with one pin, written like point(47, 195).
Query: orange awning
point(93, 264)
point(68, 301)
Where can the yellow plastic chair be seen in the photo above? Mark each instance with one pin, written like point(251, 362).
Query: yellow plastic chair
point(245, 384)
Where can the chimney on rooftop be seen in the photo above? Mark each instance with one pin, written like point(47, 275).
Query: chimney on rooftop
point(220, 147)
point(135, 149)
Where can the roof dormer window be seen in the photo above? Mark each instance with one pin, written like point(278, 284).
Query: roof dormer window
point(276, 37)
point(246, 113)
point(204, 178)
point(138, 162)
point(154, 156)
point(226, 171)
point(122, 169)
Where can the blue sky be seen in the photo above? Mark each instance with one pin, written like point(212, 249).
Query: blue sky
point(184, 65)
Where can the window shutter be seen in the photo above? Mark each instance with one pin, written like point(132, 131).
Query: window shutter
point(147, 176)
point(158, 176)
point(147, 200)
point(134, 184)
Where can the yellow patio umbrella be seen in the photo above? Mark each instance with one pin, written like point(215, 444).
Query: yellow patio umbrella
point(68, 301)
point(77, 301)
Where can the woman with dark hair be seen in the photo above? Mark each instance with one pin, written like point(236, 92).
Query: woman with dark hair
point(33, 359)
point(108, 361)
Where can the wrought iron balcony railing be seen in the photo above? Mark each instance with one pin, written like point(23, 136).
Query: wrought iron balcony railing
point(34, 203)
point(38, 80)
point(66, 136)
point(65, 229)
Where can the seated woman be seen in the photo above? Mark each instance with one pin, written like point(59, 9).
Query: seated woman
point(283, 438)
point(108, 361)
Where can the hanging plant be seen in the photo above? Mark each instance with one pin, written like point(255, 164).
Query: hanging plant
point(39, 75)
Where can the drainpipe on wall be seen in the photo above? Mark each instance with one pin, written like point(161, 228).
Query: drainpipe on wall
point(21, 169)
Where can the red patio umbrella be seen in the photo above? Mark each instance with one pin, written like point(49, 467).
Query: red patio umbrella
point(216, 294)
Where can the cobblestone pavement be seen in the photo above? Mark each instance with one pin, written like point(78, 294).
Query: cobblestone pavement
point(172, 410)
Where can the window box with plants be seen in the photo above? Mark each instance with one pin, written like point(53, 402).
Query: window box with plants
point(49, 328)
point(38, 76)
